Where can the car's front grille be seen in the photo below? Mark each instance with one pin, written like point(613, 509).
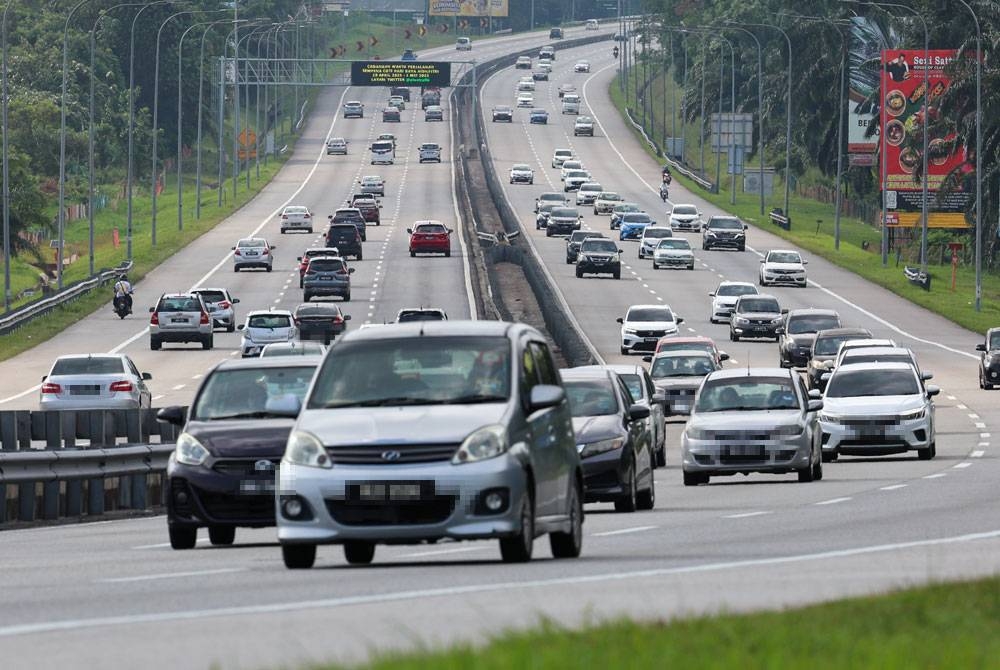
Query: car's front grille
point(742, 437)
point(239, 467)
point(650, 333)
point(432, 510)
point(391, 454)
point(229, 507)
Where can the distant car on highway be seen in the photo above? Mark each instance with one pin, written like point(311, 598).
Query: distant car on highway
point(598, 256)
point(351, 215)
point(320, 321)
point(429, 237)
point(336, 145)
point(582, 66)
point(632, 225)
point(570, 103)
point(346, 238)
point(678, 374)
point(824, 353)
point(354, 109)
point(673, 252)
point(542, 213)
point(390, 114)
point(525, 100)
point(574, 241)
point(430, 152)
point(434, 113)
point(523, 63)
point(222, 472)
point(408, 314)
point(327, 276)
point(685, 219)
point(550, 197)
point(311, 253)
point(651, 237)
point(397, 101)
point(538, 116)
point(540, 74)
point(220, 304)
point(503, 113)
point(755, 316)
point(94, 381)
point(180, 317)
point(568, 165)
point(644, 325)
point(724, 231)
point(296, 217)
point(690, 342)
point(382, 152)
point(521, 173)
point(463, 44)
point(561, 155)
point(584, 125)
point(783, 267)
point(606, 201)
point(563, 221)
point(408, 55)
point(621, 210)
point(566, 88)
point(587, 193)
point(264, 326)
point(253, 252)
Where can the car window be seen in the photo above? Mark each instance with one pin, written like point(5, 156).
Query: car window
point(295, 210)
point(649, 314)
point(633, 383)
point(597, 244)
point(736, 290)
point(414, 371)
point(855, 383)
point(212, 296)
point(564, 213)
point(590, 397)
point(681, 366)
point(179, 305)
point(656, 233)
point(678, 346)
point(251, 243)
point(673, 243)
point(317, 310)
point(828, 346)
point(637, 217)
point(743, 394)
point(994, 341)
point(269, 321)
point(326, 265)
point(726, 224)
point(543, 364)
point(758, 305)
point(783, 257)
point(431, 228)
point(244, 393)
point(92, 365)
point(812, 323)
point(851, 358)
point(684, 210)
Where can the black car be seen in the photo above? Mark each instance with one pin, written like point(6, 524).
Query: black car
point(573, 244)
point(989, 361)
point(222, 474)
point(798, 332)
point(824, 352)
point(401, 91)
point(542, 215)
point(346, 238)
point(321, 321)
point(353, 216)
point(755, 316)
point(599, 256)
point(616, 448)
point(724, 231)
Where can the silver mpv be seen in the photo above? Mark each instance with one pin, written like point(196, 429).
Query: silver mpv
point(419, 432)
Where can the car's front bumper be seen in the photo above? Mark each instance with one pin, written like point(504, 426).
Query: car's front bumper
point(603, 476)
point(585, 266)
point(201, 496)
point(745, 451)
point(726, 242)
point(643, 341)
point(674, 261)
point(521, 178)
point(797, 279)
point(448, 506)
point(560, 228)
point(627, 232)
point(797, 357)
point(752, 330)
point(685, 226)
point(873, 436)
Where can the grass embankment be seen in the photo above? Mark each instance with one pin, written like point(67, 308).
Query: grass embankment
point(813, 230)
point(170, 238)
point(941, 626)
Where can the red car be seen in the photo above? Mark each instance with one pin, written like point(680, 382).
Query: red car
point(689, 342)
point(430, 237)
point(370, 210)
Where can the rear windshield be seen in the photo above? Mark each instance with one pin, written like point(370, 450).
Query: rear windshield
point(179, 305)
point(344, 232)
point(681, 366)
point(297, 210)
point(431, 228)
point(419, 315)
point(323, 264)
point(251, 243)
point(245, 394)
point(106, 365)
point(317, 310)
point(212, 296)
point(269, 321)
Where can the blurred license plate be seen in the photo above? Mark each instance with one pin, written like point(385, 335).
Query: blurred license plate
point(181, 320)
point(325, 278)
point(251, 487)
point(388, 491)
point(746, 450)
point(252, 253)
point(651, 339)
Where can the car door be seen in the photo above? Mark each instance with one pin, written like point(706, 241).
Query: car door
point(145, 396)
point(639, 436)
point(552, 438)
point(656, 415)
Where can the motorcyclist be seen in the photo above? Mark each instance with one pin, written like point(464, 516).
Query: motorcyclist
point(663, 191)
point(614, 52)
point(667, 177)
point(123, 291)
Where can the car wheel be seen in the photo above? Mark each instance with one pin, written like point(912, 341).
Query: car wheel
point(221, 535)
point(268, 268)
point(695, 478)
point(155, 344)
point(617, 274)
point(661, 455)
point(236, 268)
point(359, 552)
point(347, 297)
point(818, 470)
point(568, 545)
point(983, 384)
point(548, 232)
point(704, 247)
point(282, 231)
point(928, 453)
point(231, 328)
point(579, 272)
point(624, 351)
point(208, 342)
point(742, 248)
point(628, 500)
point(691, 267)
point(447, 254)
point(733, 336)
point(518, 548)
point(360, 256)
point(830, 456)
point(656, 265)
point(646, 500)
point(413, 254)
point(806, 473)
point(298, 556)
point(182, 538)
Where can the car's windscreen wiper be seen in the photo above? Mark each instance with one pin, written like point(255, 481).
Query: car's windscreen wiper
point(253, 415)
point(383, 402)
point(474, 398)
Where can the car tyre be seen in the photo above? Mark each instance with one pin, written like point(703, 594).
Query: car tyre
point(818, 470)
point(298, 556)
point(360, 256)
point(646, 500)
point(155, 344)
point(208, 342)
point(656, 266)
point(182, 538)
point(806, 473)
point(268, 268)
point(413, 254)
point(830, 456)
point(359, 552)
point(661, 455)
point(548, 232)
point(628, 501)
point(695, 478)
point(734, 337)
point(569, 545)
point(221, 535)
point(928, 453)
point(518, 547)
point(742, 247)
point(447, 254)
point(617, 274)
point(579, 272)
point(231, 328)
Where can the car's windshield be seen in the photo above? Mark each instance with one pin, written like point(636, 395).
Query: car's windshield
point(649, 314)
point(853, 383)
point(681, 366)
point(414, 371)
point(828, 346)
point(747, 394)
point(565, 213)
point(783, 257)
point(736, 290)
point(521, 167)
point(758, 305)
point(657, 233)
point(269, 321)
point(591, 397)
point(812, 323)
point(726, 224)
point(994, 341)
point(591, 244)
point(247, 393)
point(684, 210)
point(91, 365)
point(673, 243)
point(576, 174)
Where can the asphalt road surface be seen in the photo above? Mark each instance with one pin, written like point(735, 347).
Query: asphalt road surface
point(114, 594)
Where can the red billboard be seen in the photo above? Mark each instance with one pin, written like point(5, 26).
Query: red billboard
point(906, 80)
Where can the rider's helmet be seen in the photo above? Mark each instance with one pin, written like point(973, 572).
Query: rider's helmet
point(123, 277)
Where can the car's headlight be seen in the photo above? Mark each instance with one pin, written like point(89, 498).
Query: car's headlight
point(709, 233)
point(776, 321)
point(829, 418)
point(190, 451)
point(789, 431)
point(915, 414)
point(305, 448)
point(697, 434)
point(629, 331)
point(741, 320)
point(602, 446)
point(487, 442)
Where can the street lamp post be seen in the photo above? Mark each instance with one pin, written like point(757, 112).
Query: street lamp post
point(979, 156)
point(6, 170)
point(760, 110)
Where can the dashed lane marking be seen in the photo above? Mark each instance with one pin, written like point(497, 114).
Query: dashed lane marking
point(833, 501)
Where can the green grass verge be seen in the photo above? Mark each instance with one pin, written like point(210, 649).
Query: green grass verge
point(170, 238)
point(813, 230)
point(941, 626)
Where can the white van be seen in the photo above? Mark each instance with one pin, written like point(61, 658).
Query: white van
point(463, 44)
point(571, 104)
point(382, 153)
point(592, 24)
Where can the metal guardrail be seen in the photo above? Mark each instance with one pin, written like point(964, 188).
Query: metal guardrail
point(779, 219)
point(18, 318)
point(638, 126)
point(22, 467)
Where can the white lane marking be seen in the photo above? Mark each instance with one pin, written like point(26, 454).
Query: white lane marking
point(983, 444)
point(745, 515)
point(977, 454)
point(959, 405)
point(983, 436)
point(964, 464)
point(972, 415)
point(164, 545)
point(469, 589)
point(894, 487)
point(198, 376)
point(623, 531)
point(441, 552)
point(935, 476)
point(167, 575)
point(178, 387)
point(980, 425)
point(951, 397)
point(833, 501)
point(157, 397)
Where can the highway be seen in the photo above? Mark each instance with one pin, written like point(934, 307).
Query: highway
point(114, 593)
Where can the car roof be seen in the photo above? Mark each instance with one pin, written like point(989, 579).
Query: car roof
point(677, 353)
point(690, 339)
point(754, 296)
point(275, 362)
point(584, 373)
point(736, 283)
point(736, 373)
point(440, 329)
point(872, 366)
point(867, 342)
point(812, 311)
point(617, 368)
point(648, 306)
point(782, 251)
point(180, 295)
point(649, 228)
point(881, 351)
point(202, 289)
point(276, 312)
point(66, 357)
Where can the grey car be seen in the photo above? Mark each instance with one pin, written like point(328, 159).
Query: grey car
point(419, 432)
point(430, 152)
point(678, 374)
point(253, 252)
point(752, 420)
point(94, 381)
point(562, 221)
point(826, 344)
point(798, 332)
point(755, 316)
point(327, 276)
point(180, 317)
point(434, 113)
point(673, 252)
point(221, 307)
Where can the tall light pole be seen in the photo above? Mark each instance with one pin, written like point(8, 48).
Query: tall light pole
point(6, 169)
point(760, 109)
point(979, 156)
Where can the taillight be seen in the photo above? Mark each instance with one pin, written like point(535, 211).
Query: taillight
point(296, 321)
point(154, 320)
point(266, 252)
point(120, 386)
point(237, 253)
point(337, 319)
point(51, 388)
point(204, 318)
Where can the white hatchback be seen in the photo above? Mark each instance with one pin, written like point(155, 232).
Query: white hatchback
point(264, 326)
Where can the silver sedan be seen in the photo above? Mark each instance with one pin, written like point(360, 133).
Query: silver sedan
point(94, 381)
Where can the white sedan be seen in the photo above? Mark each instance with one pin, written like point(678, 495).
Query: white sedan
point(582, 66)
point(296, 217)
point(525, 100)
point(522, 174)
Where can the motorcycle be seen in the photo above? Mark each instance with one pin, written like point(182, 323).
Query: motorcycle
point(614, 52)
point(122, 305)
point(663, 192)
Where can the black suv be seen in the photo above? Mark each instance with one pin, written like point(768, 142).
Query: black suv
point(755, 316)
point(599, 256)
point(989, 362)
point(401, 91)
point(798, 332)
point(346, 238)
point(825, 349)
point(222, 473)
point(724, 231)
point(354, 216)
point(574, 241)
point(323, 321)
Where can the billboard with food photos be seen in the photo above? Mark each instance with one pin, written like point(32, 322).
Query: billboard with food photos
point(484, 8)
point(902, 116)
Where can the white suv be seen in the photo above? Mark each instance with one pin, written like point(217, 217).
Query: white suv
point(782, 266)
point(180, 317)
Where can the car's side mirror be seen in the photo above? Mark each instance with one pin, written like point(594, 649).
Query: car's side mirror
point(273, 247)
point(659, 397)
point(746, 227)
point(815, 394)
point(174, 415)
point(451, 230)
point(621, 251)
point(44, 377)
point(805, 262)
point(779, 330)
point(761, 260)
point(409, 231)
point(980, 347)
point(647, 359)
point(619, 320)
point(298, 258)
point(723, 356)
point(146, 376)
point(152, 309)
point(815, 405)
point(544, 396)
point(637, 412)
point(240, 327)
point(233, 248)
point(347, 317)
point(680, 320)
point(932, 390)
point(350, 271)
point(235, 300)
point(927, 376)
point(784, 311)
point(711, 294)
